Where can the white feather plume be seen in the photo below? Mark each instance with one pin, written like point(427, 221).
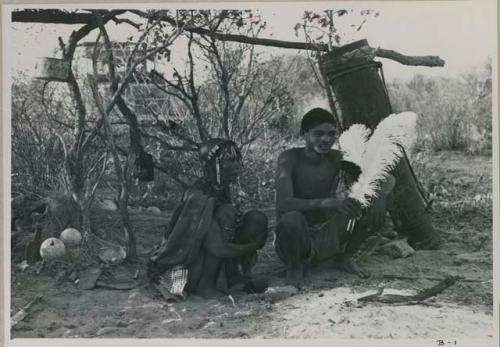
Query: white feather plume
point(382, 152)
point(400, 127)
point(352, 143)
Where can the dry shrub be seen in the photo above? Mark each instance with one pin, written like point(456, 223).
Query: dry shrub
point(260, 163)
point(455, 112)
point(36, 150)
point(62, 212)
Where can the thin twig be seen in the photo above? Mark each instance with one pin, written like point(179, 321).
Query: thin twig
point(410, 303)
point(127, 21)
point(431, 278)
point(98, 180)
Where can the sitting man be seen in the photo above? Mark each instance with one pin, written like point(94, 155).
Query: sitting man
point(207, 235)
point(312, 217)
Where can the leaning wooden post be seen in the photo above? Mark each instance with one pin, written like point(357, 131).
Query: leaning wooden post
point(357, 82)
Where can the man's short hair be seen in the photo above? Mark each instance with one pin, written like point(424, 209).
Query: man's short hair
point(314, 117)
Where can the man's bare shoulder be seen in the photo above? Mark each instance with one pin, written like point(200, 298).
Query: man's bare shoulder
point(296, 152)
point(291, 153)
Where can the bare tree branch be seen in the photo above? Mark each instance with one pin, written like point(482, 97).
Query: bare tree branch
point(169, 146)
point(57, 16)
point(165, 128)
point(127, 21)
point(50, 118)
point(247, 85)
point(184, 98)
point(97, 181)
point(95, 164)
point(167, 172)
point(52, 16)
point(428, 60)
point(134, 131)
point(122, 175)
point(224, 84)
point(126, 80)
point(139, 42)
point(194, 93)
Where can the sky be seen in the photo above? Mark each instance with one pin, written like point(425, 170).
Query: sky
point(461, 33)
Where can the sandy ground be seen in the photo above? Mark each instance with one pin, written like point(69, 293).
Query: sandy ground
point(326, 308)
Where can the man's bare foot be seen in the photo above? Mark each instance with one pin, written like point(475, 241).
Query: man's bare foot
point(345, 263)
point(295, 275)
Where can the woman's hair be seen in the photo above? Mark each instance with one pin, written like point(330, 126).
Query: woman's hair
point(221, 149)
point(215, 150)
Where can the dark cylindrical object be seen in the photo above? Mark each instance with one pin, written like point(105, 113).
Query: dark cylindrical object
point(361, 97)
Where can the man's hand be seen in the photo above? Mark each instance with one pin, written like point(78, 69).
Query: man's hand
point(351, 208)
point(348, 206)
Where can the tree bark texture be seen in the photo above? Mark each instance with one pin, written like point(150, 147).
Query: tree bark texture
point(362, 98)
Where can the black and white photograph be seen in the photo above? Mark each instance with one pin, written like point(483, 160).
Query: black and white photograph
point(266, 171)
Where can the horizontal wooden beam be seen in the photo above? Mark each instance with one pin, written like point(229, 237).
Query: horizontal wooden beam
point(65, 17)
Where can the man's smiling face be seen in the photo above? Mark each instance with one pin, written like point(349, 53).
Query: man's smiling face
point(321, 137)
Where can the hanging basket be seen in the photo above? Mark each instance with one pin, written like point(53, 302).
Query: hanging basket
point(52, 69)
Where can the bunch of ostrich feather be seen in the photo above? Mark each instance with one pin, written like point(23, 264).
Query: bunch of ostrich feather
point(352, 143)
point(377, 155)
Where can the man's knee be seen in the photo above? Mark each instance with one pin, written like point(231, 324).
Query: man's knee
point(292, 227)
point(292, 237)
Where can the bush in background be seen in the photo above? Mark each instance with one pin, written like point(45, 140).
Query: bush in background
point(455, 112)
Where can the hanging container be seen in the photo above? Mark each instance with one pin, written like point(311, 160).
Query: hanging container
point(358, 84)
point(52, 69)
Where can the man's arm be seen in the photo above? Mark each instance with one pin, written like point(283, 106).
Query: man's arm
point(286, 202)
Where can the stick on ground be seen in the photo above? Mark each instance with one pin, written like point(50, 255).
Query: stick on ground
point(413, 278)
point(423, 295)
point(19, 316)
